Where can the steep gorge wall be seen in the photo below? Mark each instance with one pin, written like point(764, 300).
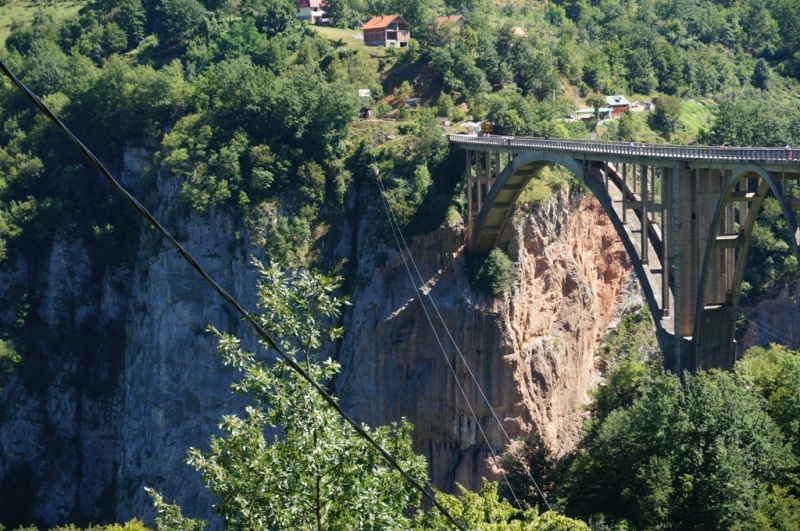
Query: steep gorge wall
point(125, 379)
point(533, 352)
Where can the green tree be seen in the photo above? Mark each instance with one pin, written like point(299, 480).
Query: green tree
point(530, 457)
point(694, 454)
point(493, 275)
point(775, 373)
point(418, 13)
point(9, 359)
point(668, 68)
point(444, 104)
point(666, 118)
point(274, 16)
point(179, 20)
point(596, 101)
point(629, 356)
point(641, 75)
point(343, 13)
point(404, 91)
point(318, 474)
point(487, 512)
point(761, 75)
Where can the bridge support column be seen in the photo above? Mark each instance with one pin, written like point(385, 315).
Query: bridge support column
point(645, 228)
point(487, 176)
point(478, 179)
point(677, 232)
point(470, 213)
point(666, 240)
point(686, 267)
point(624, 193)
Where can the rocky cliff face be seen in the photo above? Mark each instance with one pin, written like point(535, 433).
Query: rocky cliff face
point(125, 379)
point(532, 352)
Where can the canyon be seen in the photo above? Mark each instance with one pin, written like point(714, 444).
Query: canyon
point(127, 380)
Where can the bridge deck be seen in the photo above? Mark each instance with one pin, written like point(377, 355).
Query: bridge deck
point(625, 151)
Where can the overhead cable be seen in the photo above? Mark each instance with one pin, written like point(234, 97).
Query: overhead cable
point(436, 335)
point(142, 211)
point(769, 330)
point(460, 354)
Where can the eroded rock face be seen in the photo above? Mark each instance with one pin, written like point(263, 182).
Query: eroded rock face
point(532, 352)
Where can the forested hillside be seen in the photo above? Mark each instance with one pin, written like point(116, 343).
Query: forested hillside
point(249, 112)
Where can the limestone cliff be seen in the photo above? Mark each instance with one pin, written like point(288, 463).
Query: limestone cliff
point(124, 380)
point(533, 352)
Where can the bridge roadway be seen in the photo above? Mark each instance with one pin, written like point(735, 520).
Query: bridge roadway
point(685, 215)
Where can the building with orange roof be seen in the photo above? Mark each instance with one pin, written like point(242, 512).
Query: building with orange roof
point(387, 30)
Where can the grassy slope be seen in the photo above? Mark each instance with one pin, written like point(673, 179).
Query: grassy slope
point(346, 36)
point(22, 11)
point(696, 117)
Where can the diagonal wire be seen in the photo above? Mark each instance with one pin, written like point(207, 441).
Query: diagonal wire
point(438, 340)
point(463, 360)
point(221, 292)
point(768, 329)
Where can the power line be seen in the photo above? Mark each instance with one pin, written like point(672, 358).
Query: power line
point(769, 330)
point(458, 350)
point(766, 327)
point(436, 335)
point(142, 211)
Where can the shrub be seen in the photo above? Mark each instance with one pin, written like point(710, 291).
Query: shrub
point(444, 105)
point(494, 275)
point(8, 358)
point(383, 110)
point(458, 114)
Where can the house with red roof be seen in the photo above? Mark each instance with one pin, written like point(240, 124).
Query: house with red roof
point(311, 10)
point(387, 30)
point(458, 20)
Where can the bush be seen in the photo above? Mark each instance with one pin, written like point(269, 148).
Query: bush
point(9, 358)
point(383, 110)
point(458, 114)
point(493, 276)
point(444, 105)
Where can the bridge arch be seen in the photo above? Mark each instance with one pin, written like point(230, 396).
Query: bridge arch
point(507, 188)
point(727, 247)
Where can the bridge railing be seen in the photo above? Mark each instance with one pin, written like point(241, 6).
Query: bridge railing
point(666, 151)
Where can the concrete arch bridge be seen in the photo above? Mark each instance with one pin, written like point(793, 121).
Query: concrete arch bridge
point(684, 214)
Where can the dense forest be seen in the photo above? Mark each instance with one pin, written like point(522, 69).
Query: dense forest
point(251, 110)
